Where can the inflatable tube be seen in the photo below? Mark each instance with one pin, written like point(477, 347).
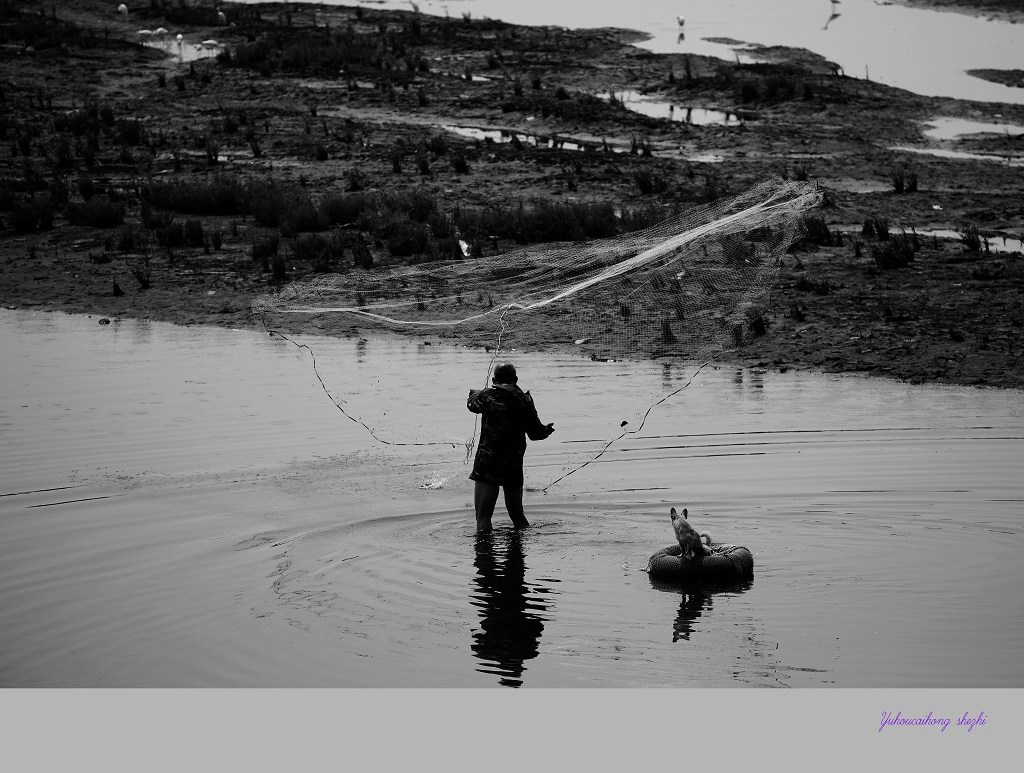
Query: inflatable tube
point(727, 563)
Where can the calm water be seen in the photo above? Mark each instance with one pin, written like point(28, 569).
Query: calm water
point(924, 51)
point(185, 507)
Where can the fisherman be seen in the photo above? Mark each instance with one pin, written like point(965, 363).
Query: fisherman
point(509, 417)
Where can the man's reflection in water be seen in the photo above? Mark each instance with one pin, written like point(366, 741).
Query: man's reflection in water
point(510, 607)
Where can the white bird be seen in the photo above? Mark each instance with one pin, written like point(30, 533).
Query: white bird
point(221, 18)
point(122, 9)
point(210, 43)
point(160, 32)
point(144, 34)
point(179, 38)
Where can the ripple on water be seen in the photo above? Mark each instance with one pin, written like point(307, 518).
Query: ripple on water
point(183, 506)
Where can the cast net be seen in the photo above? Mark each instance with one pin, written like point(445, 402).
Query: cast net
point(684, 291)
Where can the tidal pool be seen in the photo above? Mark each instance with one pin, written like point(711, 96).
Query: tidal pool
point(184, 506)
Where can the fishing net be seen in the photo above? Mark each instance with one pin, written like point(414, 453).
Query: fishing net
point(685, 290)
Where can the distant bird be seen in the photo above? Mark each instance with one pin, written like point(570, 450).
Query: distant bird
point(179, 38)
point(118, 292)
point(144, 35)
point(122, 9)
point(415, 8)
point(221, 18)
point(160, 32)
point(681, 20)
point(210, 44)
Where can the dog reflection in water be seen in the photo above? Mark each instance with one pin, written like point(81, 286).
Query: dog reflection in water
point(693, 604)
point(511, 609)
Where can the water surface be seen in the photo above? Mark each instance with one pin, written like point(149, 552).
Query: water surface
point(924, 51)
point(185, 507)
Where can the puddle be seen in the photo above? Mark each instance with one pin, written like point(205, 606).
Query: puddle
point(1000, 244)
point(857, 186)
point(997, 243)
point(506, 136)
point(185, 50)
point(953, 128)
point(695, 116)
point(706, 158)
point(961, 155)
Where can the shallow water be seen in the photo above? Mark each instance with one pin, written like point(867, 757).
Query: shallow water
point(185, 507)
point(946, 128)
point(924, 51)
point(961, 155)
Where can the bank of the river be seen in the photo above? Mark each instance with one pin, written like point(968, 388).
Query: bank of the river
point(342, 102)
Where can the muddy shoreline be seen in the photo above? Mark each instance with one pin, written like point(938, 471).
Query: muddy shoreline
point(951, 313)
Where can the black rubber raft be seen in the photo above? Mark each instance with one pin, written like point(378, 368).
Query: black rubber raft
point(727, 563)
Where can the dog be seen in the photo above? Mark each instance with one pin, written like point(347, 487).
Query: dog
point(691, 542)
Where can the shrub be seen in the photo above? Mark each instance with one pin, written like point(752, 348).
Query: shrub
point(132, 239)
point(816, 231)
point(650, 182)
point(97, 212)
point(876, 226)
point(34, 215)
point(142, 273)
point(418, 205)
point(343, 208)
point(407, 238)
point(970, 238)
point(131, 131)
point(170, 235)
point(438, 145)
point(264, 250)
point(904, 181)
point(322, 251)
point(301, 214)
point(194, 234)
point(895, 252)
point(223, 195)
point(278, 268)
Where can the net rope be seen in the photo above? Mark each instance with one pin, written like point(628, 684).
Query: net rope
point(687, 289)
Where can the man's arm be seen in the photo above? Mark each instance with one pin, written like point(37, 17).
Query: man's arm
point(535, 430)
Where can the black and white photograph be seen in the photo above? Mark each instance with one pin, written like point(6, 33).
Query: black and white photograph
point(390, 383)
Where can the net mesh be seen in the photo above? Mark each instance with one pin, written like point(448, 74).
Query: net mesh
point(687, 289)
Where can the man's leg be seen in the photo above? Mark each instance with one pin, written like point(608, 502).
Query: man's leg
point(484, 497)
point(514, 505)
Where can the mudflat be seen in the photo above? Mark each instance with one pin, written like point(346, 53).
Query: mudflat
point(143, 177)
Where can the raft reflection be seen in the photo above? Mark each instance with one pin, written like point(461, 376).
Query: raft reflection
point(510, 607)
point(696, 601)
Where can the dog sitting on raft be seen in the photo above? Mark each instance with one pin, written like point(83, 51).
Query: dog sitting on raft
point(691, 542)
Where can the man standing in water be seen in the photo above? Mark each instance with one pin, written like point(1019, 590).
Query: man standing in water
point(509, 417)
